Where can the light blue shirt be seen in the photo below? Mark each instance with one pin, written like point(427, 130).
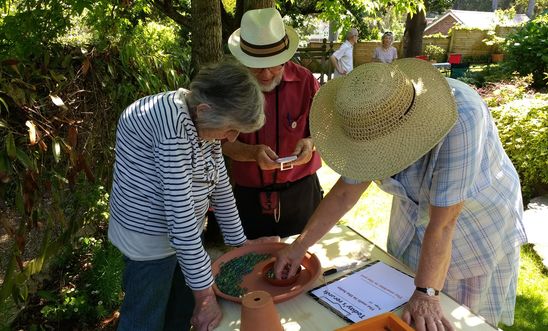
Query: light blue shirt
point(469, 165)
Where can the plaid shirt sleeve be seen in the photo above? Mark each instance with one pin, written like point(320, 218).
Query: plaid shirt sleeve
point(460, 171)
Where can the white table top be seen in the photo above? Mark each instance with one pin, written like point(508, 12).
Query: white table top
point(342, 245)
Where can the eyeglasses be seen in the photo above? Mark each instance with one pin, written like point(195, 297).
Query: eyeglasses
point(273, 70)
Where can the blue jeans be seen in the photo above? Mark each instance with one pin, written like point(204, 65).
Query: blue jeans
point(156, 296)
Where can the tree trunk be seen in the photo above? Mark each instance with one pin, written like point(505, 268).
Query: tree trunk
point(531, 8)
point(232, 22)
point(494, 4)
point(412, 36)
point(258, 4)
point(206, 32)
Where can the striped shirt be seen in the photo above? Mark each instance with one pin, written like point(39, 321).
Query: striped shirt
point(468, 165)
point(165, 179)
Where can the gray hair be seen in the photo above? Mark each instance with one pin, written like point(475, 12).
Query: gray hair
point(351, 33)
point(232, 93)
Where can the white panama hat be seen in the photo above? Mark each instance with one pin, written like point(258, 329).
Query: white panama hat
point(380, 118)
point(263, 40)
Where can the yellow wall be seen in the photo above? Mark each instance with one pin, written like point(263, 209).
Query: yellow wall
point(469, 43)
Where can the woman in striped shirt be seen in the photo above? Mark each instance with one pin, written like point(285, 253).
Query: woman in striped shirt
point(168, 171)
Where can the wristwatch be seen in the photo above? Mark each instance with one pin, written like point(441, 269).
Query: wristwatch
point(428, 290)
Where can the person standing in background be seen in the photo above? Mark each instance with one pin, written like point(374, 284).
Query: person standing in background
point(274, 199)
point(342, 59)
point(386, 53)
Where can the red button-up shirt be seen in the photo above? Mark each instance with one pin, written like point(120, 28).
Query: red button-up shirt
point(294, 94)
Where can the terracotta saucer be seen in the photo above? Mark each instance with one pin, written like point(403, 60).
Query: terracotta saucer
point(255, 281)
point(269, 275)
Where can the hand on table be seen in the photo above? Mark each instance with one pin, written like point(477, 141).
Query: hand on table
point(207, 313)
point(426, 313)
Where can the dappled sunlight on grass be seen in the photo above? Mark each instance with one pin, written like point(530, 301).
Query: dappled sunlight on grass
point(532, 299)
point(370, 215)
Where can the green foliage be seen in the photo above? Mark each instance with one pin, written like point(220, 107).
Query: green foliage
point(497, 44)
point(502, 93)
point(89, 284)
point(435, 53)
point(84, 286)
point(485, 77)
point(527, 50)
point(58, 112)
point(505, 17)
point(476, 58)
point(540, 6)
point(363, 15)
point(160, 58)
point(437, 35)
point(229, 5)
point(31, 25)
point(522, 119)
point(438, 6)
point(40, 25)
point(523, 129)
point(531, 303)
point(459, 27)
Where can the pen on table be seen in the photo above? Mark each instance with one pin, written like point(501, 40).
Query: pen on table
point(332, 271)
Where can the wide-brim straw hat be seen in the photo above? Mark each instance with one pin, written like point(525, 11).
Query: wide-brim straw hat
point(381, 118)
point(263, 40)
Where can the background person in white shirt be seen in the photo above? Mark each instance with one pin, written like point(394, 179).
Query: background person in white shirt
point(386, 53)
point(342, 59)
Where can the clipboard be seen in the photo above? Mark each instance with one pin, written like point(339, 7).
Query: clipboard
point(375, 294)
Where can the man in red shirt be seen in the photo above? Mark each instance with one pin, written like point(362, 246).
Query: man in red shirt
point(271, 200)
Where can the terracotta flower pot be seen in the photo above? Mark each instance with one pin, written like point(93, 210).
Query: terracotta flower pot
point(259, 309)
point(497, 57)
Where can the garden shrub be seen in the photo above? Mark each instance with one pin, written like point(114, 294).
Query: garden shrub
point(58, 113)
point(435, 53)
point(527, 50)
point(476, 58)
point(499, 93)
point(84, 288)
point(486, 75)
point(90, 287)
point(523, 129)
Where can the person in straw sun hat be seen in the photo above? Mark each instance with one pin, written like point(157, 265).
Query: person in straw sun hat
point(456, 212)
point(275, 200)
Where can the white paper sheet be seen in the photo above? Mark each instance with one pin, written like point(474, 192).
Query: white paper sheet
point(376, 289)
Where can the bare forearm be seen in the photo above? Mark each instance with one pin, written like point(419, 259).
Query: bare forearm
point(336, 203)
point(436, 247)
point(335, 63)
point(239, 151)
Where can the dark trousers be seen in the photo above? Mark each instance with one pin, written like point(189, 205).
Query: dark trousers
point(298, 200)
point(156, 296)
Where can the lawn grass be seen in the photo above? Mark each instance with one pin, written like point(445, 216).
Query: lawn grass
point(532, 298)
point(370, 218)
